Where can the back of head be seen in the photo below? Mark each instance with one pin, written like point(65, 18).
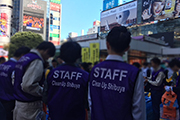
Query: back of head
point(85, 66)
point(174, 62)
point(47, 46)
point(21, 51)
point(54, 61)
point(119, 39)
point(136, 64)
point(156, 60)
point(145, 64)
point(2, 60)
point(70, 52)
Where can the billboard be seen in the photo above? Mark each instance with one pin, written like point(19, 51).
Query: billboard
point(33, 23)
point(153, 10)
point(5, 24)
point(56, 1)
point(167, 37)
point(34, 16)
point(55, 7)
point(125, 15)
point(108, 4)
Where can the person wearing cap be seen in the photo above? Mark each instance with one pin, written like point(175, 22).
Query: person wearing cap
point(116, 88)
point(67, 86)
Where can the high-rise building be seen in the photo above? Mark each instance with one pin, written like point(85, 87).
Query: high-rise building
point(30, 15)
point(55, 22)
point(47, 19)
point(5, 21)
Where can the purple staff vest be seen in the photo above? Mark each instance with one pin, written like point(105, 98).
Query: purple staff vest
point(7, 91)
point(177, 85)
point(20, 70)
point(154, 76)
point(67, 87)
point(111, 88)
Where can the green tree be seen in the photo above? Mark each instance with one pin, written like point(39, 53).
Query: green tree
point(28, 39)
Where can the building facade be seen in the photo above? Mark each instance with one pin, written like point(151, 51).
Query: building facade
point(30, 15)
point(55, 22)
point(95, 28)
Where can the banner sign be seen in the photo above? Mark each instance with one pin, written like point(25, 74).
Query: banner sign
point(94, 52)
point(153, 10)
point(85, 54)
point(125, 15)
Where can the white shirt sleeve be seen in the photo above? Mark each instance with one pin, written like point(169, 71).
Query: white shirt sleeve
point(32, 77)
point(139, 106)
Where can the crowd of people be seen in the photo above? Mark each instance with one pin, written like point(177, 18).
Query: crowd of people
point(111, 90)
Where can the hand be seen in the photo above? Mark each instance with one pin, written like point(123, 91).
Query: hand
point(145, 14)
point(168, 88)
point(146, 81)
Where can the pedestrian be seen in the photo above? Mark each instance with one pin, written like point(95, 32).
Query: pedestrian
point(175, 83)
point(2, 60)
point(136, 64)
point(54, 65)
point(157, 86)
point(116, 88)
point(7, 80)
point(29, 78)
point(67, 86)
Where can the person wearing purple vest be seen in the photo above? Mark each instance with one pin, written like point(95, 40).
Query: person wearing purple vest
point(156, 81)
point(67, 86)
point(29, 78)
point(175, 83)
point(116, 88)
point(7, 80)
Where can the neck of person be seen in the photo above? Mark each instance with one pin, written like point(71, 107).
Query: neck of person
point(114, 53)
point(16, 58)
point(157, 68)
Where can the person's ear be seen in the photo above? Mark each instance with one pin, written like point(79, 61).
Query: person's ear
point(108, 45)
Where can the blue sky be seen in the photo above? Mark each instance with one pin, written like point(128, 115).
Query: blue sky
point(78, 15)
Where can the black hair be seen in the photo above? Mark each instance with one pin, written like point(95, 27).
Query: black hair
point(119, 39)
point(54, 61)
point(2, 58)
point(47, 46)
point(70, 51)
point(21, 51)
point(136, 64)
point(156, 60)
point(146, 64)
point(85, 66)
point(174, 62)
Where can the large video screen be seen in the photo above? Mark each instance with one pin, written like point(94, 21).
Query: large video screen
point(3, 24)
point(153, 10)
point(33, 23)
point(125, 15)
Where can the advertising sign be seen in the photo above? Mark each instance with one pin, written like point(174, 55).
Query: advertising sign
point(85, 54)
point(153, 10)
point(86, 37)
point(56, 1)
point(34, 16)
point(55, 7)
point(52, 27)
point(108, 4)
point(124, 15)
point(94, 52)
point(167, 37)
